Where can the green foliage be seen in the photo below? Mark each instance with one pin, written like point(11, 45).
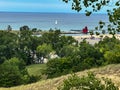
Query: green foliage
point(97, 33)
point(12, 73)
point(89, 54)
point(96, 5)
point(56, 40)
point(75, 59)
point(27, 45)
point(36, 69)
point(68, 51)
point(110, 49)
point(91, 33)
point(113, 56)
point(44, 50)
point(51, 37)
point(63, 42)
point(8, 45)
point(21, 45)
point(24, 28)
point(90, 6)
point(57, 67)
point(103, 31)
point(114, 18)
point(9, 28)
point(89, 82)
point(78, 59)
point(107, 44)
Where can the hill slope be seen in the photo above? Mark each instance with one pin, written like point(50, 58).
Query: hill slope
point(36, 69)
point(110, 71)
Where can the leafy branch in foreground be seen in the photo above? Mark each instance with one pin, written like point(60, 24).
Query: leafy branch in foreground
point(90, 6)
point(89, 82)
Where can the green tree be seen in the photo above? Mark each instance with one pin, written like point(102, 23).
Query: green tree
point(26, 45)
point(44, 51)
point(88, 52)
point(24, 28)
point(9, 28)
point(65, 41)
point(22, 45)
point(13, 73)
point(8, 45)
point(56, 40)
point(68, 51)
point(51, 37)
point(74, 59)
point(113, 56)
point(89, 82)
point(107, 44)
point(58, 66)
point(109, 47)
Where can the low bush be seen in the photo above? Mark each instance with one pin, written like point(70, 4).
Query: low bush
point(89, 82)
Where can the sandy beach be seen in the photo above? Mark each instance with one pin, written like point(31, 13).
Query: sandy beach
point(95, 38)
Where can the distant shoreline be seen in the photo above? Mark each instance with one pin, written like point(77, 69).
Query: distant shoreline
point(96, 38)
point(79, 36)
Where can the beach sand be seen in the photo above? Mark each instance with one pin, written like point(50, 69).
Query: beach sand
point(94, 39)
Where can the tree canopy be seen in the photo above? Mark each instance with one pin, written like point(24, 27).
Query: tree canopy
point(13, 73)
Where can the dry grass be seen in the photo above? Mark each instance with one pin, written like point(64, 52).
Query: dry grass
point(110, 71)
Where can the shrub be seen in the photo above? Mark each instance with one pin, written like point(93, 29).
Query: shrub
point(58, 66)
point(89, 82)
point(13, 73)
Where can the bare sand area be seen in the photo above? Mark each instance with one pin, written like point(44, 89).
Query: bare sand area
point(94, 38)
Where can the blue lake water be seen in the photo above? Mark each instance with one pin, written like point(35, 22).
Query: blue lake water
point(45, 21)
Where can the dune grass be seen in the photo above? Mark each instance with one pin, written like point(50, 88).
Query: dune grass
point(110, 71)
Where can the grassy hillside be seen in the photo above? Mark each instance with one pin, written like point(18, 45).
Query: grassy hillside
point(110, 71)
point(36, 69)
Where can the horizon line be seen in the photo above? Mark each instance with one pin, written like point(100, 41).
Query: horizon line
point(47, 12)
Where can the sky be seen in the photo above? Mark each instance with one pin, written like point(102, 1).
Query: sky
point(37, 6)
